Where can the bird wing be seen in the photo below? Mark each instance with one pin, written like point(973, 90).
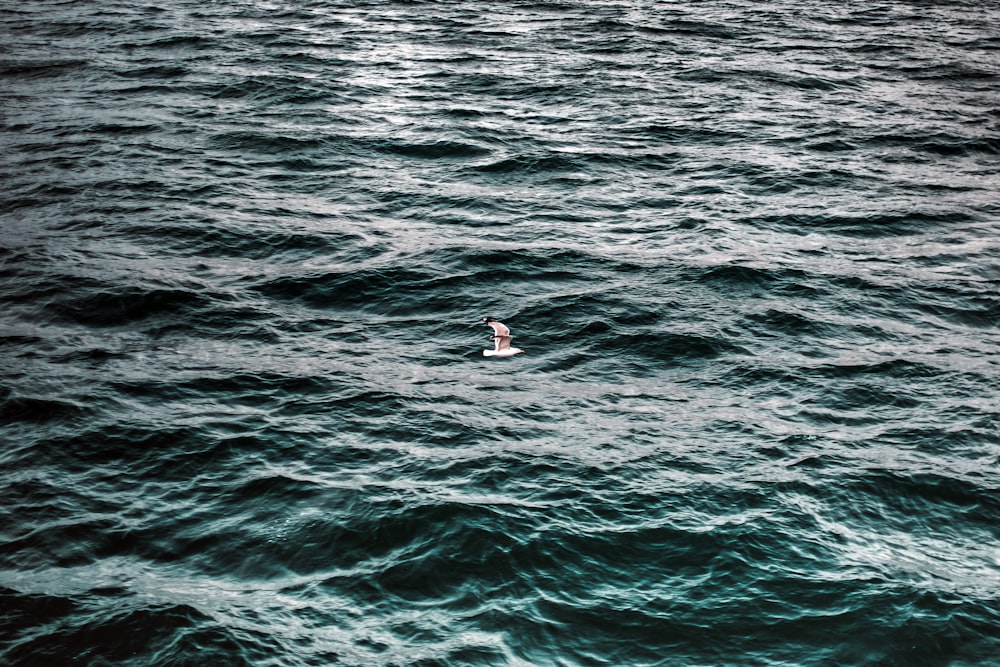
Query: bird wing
point(499, 328)
point(502, 342)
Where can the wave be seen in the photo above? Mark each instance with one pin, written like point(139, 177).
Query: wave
point(162, 633)
point(436, 150)
point(119, 306)
point(34, 409)
point(873, 225)
point(32, 69)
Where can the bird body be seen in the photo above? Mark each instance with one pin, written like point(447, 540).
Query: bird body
point(501, 340)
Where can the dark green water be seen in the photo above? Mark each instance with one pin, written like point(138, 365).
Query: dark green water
point(752, 251)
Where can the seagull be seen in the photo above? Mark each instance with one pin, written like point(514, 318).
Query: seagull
point(501, 340)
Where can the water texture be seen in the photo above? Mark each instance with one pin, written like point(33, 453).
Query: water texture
point(752, 251)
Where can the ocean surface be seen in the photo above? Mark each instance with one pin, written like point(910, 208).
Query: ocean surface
point(752, 251)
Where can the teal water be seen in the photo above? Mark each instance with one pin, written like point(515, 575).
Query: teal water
point(751, 252)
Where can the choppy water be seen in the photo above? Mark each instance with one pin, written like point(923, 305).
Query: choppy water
point(752, 251)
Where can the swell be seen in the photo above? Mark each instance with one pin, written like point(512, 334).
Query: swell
point(430, 281)
point(874, 225)
point(163, 633)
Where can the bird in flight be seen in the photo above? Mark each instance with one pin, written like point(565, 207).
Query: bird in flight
point(501, 340)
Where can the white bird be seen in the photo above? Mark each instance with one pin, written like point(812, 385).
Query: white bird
point(501, 340)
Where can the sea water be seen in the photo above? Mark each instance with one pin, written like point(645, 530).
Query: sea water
point(752, 251)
